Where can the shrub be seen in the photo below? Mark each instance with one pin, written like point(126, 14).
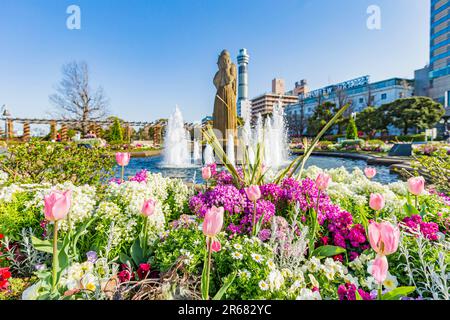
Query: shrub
point(38, 162)
point(16, 215)
point(410, 138)
point(435, 168)
point(352, 131)
point(375, 142)
point(356, 142)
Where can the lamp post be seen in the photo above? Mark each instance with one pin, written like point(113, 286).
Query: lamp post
point(6, 115)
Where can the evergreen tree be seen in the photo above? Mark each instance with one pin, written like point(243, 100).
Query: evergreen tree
point(352, 131)
point(116, 133)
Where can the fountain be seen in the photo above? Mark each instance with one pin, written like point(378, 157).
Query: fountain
point(230, 149)
point(208, 155)
point(176, 143)
point(197, 154)
point(272, 133)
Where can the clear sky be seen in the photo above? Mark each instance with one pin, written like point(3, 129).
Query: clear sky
point(150, 55)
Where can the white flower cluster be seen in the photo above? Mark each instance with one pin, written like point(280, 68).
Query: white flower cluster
point(7, 193)
point(355, 187)
point(118, 227)
point(331, 269)
point(82, 204)
point(3, 177)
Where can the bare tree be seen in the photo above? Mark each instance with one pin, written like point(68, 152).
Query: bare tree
point(74, 98)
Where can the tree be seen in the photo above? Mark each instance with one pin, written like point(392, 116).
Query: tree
point(415, 112)
point(323, 113)
point(352, 131)
point(116, 131)
point(370, 120)
point(74, 98)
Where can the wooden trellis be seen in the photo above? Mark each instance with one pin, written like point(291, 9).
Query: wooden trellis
point(94, 126)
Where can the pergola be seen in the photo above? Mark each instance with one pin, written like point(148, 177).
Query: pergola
point(94, 126)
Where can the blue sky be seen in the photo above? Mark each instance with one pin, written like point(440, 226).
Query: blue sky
point(152, 54)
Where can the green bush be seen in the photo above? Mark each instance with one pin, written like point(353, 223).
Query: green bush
point(410, 138)
point(352, 131)
point(435, 168)
point(375, 142)
point(38, 162)
point(15, 215)
point(357, 142)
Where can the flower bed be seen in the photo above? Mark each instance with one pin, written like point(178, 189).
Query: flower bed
point(327, 234)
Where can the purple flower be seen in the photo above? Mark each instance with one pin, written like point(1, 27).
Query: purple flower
point(428, 229)
point(140, 176)
point(264, 234)
point(91, 256)
point(348, 292)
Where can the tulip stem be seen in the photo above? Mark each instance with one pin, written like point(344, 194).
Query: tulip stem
point(55, 255)
point(254, 219)
point(416, 203)
point(208, 270)
point(145, 236)
point(318, 201)
point(123, 173)
point(379, 290)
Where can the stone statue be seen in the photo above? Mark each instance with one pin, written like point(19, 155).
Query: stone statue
point(225, 116)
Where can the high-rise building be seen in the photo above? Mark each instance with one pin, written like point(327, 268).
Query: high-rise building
point(278, 86)
point(440, 52)
point(263, 104)
point(243, 104)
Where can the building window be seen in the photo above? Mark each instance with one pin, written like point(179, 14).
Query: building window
point(383, 96)
point(401, 95)
point(361, 100)
point(372, 98)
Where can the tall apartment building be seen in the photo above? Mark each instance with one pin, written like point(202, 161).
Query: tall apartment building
point(440, 51)
point(263, 104)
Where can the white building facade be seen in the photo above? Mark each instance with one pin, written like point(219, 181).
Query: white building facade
point(359, 92)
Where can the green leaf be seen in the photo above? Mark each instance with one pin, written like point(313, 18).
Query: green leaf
point(224, 288)
point(358, 296)
point(410, 209)
point(204, 286)
point(327, 251)
point(63, 254)
point(42, 245)
point(136, 252)
point(123, 258)
point(398, 293)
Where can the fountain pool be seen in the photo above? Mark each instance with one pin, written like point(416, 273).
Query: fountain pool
point(156, 165)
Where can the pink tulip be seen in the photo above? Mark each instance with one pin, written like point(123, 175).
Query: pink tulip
point(416, 185)
point(384, 237)
point(370, 172)
point(57, 205)
point(253, 193)
point(216, 246)
point(123, 158)
point(380, 268)
point(148, 208)
point(322, 181)
point(213, 221)
point(376, 201)
point(206, 173)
